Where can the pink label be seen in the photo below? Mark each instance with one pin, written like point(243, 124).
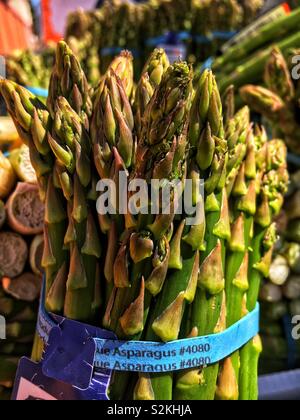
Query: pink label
point(29, 391)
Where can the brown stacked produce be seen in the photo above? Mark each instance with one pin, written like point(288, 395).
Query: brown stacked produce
point(21, 244)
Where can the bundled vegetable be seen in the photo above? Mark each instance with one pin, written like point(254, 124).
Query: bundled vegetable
point(203, 26)
point(153, 275)
point(30, 68)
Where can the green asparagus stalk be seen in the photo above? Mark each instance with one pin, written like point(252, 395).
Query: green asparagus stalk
point(278, 77)
point(112, 125)
point(253, 68)
point(268, 33)
point(263, 101)
point(152, 74)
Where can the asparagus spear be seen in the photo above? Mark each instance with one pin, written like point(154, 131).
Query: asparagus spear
point(152, 74)
point(274, 30)
point(242, 208)
point(278, 77)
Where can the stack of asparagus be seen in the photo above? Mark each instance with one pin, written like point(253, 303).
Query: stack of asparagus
point(98, 36)
point(21, 247)
point(279, 103)
point(30, 68)
point(119, 24)
point(33, 68)
point(156, 278)
point(280, 295)
point(245, 62)
point(214, 17)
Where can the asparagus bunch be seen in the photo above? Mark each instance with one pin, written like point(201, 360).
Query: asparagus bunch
point(30, 68)
point(123, 24)
point(113, 145)
point(240, 52)
point(280, 102)
point(245, 62)
point(60, 148)
point(164, 279)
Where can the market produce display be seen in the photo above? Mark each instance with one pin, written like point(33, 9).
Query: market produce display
point(97, 36)
point(153, 277)
point(280, 295)
point(21, 244)
point(279, 101)
point(244, 62)
point(202, 25)
point(31, 68)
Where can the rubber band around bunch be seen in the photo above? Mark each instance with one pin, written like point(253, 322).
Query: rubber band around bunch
point(141, 356)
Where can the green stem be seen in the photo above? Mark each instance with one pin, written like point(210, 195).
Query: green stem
point(177, 282)
point(205, 314)
point(249, 354)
